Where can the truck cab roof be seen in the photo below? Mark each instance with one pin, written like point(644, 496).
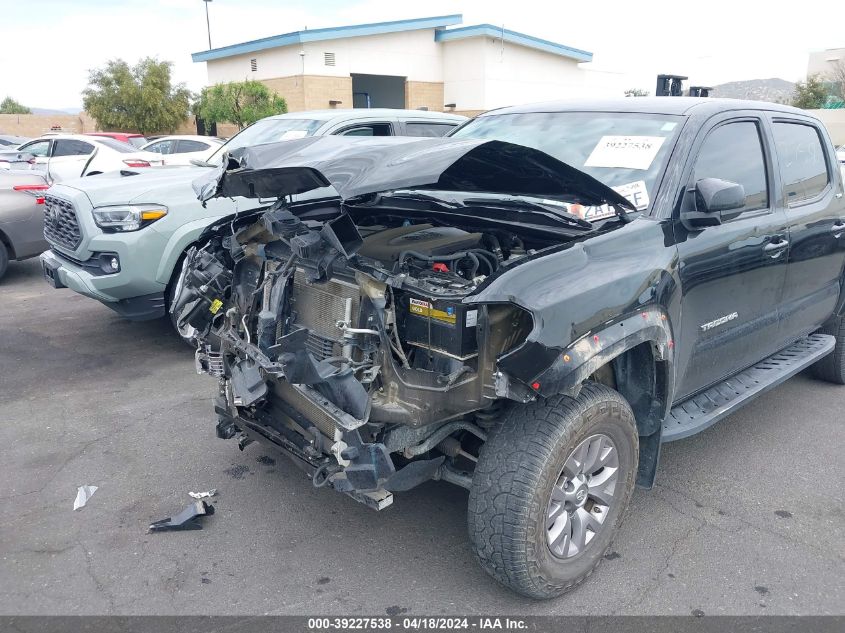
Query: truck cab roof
point(651, 105)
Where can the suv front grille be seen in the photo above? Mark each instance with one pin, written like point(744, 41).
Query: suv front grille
point(60, 224)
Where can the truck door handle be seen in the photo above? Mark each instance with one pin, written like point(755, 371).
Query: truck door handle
point(774, 249)
point(837, 229)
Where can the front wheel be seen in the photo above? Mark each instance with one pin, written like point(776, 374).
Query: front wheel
point(550, 488)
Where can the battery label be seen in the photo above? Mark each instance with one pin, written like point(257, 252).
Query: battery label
point(425, 309)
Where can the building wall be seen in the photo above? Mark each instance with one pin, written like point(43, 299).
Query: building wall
point(516, 74)
point(463, 73)
point(480, 74)
point(412, 54)
point(32, 125)
point(476, 74)
point(834, 121)
point(424, 94)
point(820, 62)
point(468, 113)
point(312, 92)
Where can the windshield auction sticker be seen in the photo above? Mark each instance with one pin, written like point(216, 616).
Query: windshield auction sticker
point(627, 152)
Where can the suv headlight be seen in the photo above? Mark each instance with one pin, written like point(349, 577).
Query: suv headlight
point(130, 217)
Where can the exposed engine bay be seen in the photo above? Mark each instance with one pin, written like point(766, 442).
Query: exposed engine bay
point(345, 344)
point(344, 333)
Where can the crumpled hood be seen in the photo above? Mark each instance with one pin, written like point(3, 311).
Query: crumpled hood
point(114, 188)
point(359, 166)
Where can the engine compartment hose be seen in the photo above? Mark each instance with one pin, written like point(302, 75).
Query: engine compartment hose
point(323, 474)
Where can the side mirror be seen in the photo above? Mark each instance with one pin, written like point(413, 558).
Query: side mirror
point(711, 202)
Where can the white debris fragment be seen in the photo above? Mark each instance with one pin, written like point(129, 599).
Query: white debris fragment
point(204, 495)
point(82, 495)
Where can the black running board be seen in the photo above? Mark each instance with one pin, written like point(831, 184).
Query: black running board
point(707, 408)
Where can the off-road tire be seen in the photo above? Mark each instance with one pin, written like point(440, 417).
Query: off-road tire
point(511, 487)
point(831, 368)
point(4, 259)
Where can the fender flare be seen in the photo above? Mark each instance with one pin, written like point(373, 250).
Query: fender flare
point(564, 369)
point(575, 363)
point(179, 242)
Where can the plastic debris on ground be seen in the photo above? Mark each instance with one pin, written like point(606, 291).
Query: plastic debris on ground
point(204, 495)
point(185, 520)
point(83, 493)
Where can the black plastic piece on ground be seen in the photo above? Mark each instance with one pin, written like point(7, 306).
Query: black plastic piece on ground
point(186, 519)
point(708, 407)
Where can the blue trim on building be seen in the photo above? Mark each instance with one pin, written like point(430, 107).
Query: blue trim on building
point(512, 37)
point(317, 35)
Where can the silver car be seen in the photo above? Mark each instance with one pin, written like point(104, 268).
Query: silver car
point(21, 216)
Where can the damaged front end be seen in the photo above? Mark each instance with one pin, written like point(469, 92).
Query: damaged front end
point(342, 331)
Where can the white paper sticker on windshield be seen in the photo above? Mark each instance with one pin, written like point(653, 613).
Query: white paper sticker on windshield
point(289, 134)
point(627, 152)
point(636, 193)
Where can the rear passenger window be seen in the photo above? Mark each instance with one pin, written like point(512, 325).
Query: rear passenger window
point(734, 152)
point(368, 129)
point(428, 129)
point(162, 147)
point(191, 146)
point(70, 147)
point(803, 167)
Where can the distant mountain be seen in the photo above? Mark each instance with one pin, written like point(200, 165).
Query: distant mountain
point(56, 111)
point(774, 89)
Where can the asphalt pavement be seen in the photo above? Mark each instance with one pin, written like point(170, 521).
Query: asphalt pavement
point(746, 518)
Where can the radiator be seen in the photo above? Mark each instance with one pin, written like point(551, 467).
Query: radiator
point(319, 307)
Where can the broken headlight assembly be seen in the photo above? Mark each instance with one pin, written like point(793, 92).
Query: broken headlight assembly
point(131, 217)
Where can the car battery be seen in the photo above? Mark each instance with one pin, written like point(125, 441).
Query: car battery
point(439, 325)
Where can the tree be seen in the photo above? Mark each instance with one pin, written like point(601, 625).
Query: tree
point(139, 98)
point(837, 76)
point(238, 102)
point(10, 106)
point(636, 92)
point(810, 94)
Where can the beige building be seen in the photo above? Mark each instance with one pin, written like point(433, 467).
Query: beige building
point(823, 62)
point(422, 63)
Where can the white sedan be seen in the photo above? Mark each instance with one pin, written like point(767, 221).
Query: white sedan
point(66, 156)
point(182, 149)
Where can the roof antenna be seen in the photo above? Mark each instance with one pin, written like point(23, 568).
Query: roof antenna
point(502, 40)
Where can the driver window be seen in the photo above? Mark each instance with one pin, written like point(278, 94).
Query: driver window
point(734, 152)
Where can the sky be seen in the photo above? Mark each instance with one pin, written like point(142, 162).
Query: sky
point(711, 42)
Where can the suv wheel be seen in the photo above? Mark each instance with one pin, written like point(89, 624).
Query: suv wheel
point(4, 259)
point(832, 367)
point(550, 488)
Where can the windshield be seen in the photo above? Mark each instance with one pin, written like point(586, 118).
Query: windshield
point(267, 131)
point(625, 151)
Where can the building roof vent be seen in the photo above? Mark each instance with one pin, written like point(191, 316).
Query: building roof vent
point(329, 59)
point(253, 64)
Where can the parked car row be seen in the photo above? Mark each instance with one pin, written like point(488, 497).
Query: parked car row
point(111, 210)
point(526, 304)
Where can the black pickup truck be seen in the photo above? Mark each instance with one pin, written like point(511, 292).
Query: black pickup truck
point(527, 309)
